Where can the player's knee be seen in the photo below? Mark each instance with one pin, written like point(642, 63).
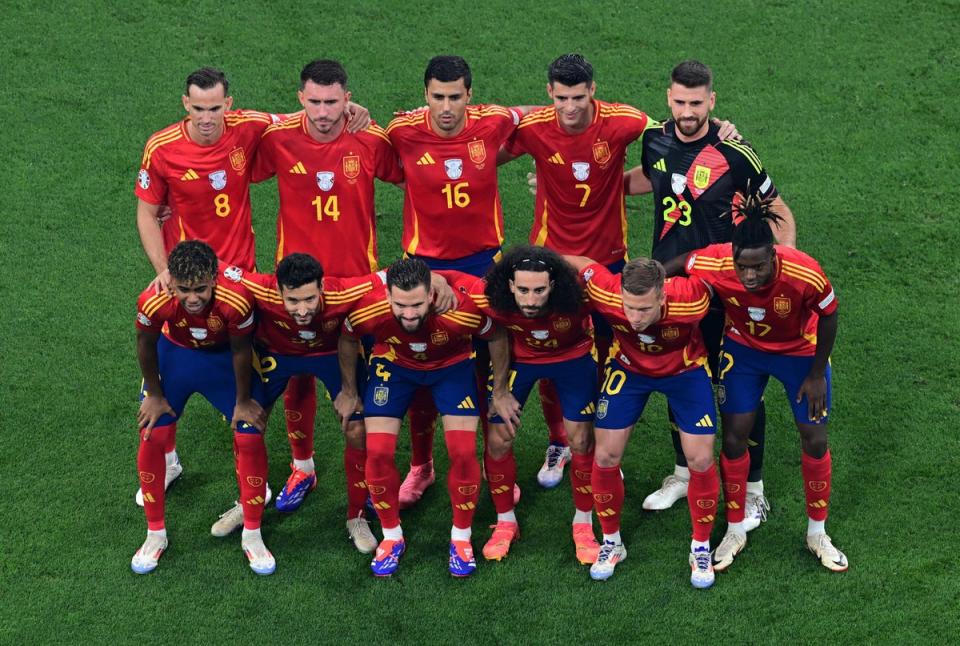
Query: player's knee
point(813, 440)
point(579, 437)
point(699, 460)
point(607, 457)
point(355, 435)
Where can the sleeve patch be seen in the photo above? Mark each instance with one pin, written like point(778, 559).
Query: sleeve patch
point(233, 273)
point(143, 179)
point(826, 301)
point(144, 319)
point(246, 323)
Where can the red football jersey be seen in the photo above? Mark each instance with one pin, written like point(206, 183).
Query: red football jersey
point(670, 346)
point(545, 339)
point(442, 340)
point(782, 317)
point(327, 193)
point(452, 205)
point(579, 207)
point(206, 186)
point(229, 313)
point(280, 334)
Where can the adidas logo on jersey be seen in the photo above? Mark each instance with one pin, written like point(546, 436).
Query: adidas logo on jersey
point(555, 158)
point(189, 175)
point(298, 169)
point(425, 160)
point(705, 422)
point(661, 165)
point(466, 404)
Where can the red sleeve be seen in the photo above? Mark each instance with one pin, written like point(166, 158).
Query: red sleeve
point(151, 310)
point(264, 164)
point(388, 167)
point(700, 263)
point(151, 186)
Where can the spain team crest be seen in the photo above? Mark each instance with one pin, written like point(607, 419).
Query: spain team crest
point(351, 166)
point(602, 408)
point(670, 333)
point(781, 305)
point(561, 324)
point(601, 152)
point(477, 151)
point(440, 337)
point(701, 177)
point(238, 159)
point(215, 323)
point(381, 394)
point(330, 325)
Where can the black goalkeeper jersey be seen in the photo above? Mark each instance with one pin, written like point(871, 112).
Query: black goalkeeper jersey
point(694, 186)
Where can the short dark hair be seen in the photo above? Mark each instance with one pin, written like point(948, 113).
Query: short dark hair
point(753, 231)
point(408, 274)
point(297, 270)
point(566, 297)
point(640, 275)
point(570, 69)
point(323, 71)
point(691, 74)
point(207, 78)
point(191, 262)
point(446, 69)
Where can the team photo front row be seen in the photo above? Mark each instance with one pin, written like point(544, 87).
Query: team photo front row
point(474, 347)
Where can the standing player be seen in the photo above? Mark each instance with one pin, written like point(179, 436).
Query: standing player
point(199, 167)
point(205, 347)
point(415, 348)
point(536, 297)
point(781, 322)
point(579, 147)
point(325, 177)
point(696, 177)
point(452, 218)
point(658, 348)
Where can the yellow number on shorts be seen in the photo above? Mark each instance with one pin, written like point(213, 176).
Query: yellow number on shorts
point(456, 194)
point(222, 204)
point(330, 208)
point(613, 381)
point(586, 193)
point(382, 372)
point(724, 369)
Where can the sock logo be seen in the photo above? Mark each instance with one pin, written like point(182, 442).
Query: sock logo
point(706, 519)
point(495, 477)
point(731, 488)
point(146, 477)
point(819, 504)
point(817, 485)
point(468, 490)
point(602, 498)
point(496, 491)
point(293, 415)
point(467, 506)
point(376, 490)
point(254, 481)
point(583, 475)
point(706, 503)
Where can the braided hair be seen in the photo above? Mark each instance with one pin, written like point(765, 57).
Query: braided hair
point(753, 230)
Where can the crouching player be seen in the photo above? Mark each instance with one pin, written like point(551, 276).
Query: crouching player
point(537, 298)
point(299, 315)
point(415, 347)
point(781, 322)
point(205, 347)
point(658, 348)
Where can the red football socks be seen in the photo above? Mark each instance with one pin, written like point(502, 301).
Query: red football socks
point(152, 469)
point(422, 415)
point(816, 484)
point(607, 486)
point(300, 409)
point(552, 412)
point(702, 495)
point(383, 479)
point(354, 463)
point(501, 476)
point(581, 473)
point(463, 479)
point(734, 485)
point(251, 459)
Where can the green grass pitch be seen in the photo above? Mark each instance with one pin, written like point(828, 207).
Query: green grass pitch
point(850, 105)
